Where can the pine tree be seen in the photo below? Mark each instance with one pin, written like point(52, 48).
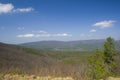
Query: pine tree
point(97, 68)
point(101, 63)
point(109, 50)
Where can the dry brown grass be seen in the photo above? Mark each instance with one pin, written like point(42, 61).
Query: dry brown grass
point(113, 78)
point(31, 77)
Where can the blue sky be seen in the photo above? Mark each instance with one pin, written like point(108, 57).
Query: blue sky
point(65, 20)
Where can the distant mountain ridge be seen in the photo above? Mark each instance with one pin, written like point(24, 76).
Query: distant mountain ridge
point(80, 45)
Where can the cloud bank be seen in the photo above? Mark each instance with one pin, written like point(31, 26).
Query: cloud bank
point(105, 24)
point(9, 8)
point(29, 9)
point(26, 35)
point(38, 34)
point(5, 8)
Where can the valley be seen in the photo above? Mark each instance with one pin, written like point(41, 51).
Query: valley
point(19, 60)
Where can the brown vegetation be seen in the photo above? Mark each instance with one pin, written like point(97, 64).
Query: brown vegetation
point(18, 60)
point(31, 77)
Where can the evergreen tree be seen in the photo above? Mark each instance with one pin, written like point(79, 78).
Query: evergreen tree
point(109, 50)
point(97, 68)
point(101, 63)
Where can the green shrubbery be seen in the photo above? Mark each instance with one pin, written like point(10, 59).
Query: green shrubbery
point(33, 51)
point(101, 63)
point(97, 67)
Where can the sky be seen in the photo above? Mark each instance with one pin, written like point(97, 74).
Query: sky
point(64, 20)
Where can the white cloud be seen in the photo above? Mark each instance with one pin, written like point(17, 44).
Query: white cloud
point(62, 35)
point(93, 30)
point(29, 9)
point(44, 35)
point(26, 35)
point(105, 24)
point(7, 8)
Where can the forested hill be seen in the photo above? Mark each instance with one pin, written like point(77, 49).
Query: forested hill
point(25, 59)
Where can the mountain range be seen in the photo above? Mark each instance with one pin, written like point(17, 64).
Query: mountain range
point(81, 45)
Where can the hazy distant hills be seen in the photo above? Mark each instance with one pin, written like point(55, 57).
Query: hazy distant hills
point(81, 45)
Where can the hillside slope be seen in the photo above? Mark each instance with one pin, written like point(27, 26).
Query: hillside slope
point(19, 60)
point(24, 59)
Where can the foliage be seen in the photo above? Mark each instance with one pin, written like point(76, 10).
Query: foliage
point(101, 63)
point(61, 55)
point(97, 68)
point(109, 52)
point(33, 51)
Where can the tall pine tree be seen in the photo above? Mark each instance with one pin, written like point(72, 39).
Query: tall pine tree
point(109, 50)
